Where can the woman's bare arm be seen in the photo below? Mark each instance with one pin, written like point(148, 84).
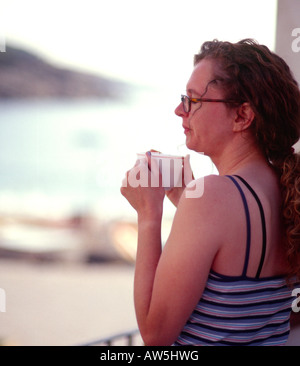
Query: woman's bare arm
point(169, 284)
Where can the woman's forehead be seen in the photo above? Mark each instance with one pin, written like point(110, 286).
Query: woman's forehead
point(201, 76)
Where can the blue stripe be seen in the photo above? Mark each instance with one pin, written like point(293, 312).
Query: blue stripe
point(265, 329)
point(273, 340)
point(282, 313)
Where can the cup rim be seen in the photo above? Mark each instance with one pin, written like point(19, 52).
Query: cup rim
point(162, 155)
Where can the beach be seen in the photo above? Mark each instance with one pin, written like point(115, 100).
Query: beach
point(65, 303)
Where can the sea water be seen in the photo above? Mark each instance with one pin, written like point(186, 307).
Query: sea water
point(66, 157)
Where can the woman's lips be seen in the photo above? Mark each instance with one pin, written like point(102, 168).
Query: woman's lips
point(186, 129)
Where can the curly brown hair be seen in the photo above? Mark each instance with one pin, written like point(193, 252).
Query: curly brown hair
point(250, 72)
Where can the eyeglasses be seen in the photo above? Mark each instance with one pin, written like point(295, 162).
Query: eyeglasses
point(187, 101)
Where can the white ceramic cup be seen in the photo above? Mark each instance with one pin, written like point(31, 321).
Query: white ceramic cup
point(170, 167)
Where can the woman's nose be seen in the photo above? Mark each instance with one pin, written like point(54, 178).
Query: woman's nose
point(179, 110)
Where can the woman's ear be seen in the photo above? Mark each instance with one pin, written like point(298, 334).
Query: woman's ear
point(243, 118)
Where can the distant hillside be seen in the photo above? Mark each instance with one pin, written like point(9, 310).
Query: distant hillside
point(24, 75)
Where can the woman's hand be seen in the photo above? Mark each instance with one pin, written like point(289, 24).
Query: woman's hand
point(137, 189)
point(175, 193)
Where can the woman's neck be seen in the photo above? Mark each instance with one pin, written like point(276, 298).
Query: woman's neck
point(236, 158)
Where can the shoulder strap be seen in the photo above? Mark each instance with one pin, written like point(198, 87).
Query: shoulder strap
point(263, 224)
point(247, 222)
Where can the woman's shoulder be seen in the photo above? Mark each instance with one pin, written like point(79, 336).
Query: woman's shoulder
point(209, 189)
point(207, 218)
point(210, 198)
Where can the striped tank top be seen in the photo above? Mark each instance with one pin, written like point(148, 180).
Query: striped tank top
point(239, 310)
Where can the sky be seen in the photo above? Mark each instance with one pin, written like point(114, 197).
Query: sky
point(148, 42)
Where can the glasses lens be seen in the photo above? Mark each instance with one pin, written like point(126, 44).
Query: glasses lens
point(185, 103)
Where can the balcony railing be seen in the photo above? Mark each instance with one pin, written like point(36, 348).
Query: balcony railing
point(129, 338)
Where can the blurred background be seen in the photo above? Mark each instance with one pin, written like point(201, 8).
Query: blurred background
point(84, 86)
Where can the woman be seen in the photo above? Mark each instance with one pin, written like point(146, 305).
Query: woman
point(221, 278)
